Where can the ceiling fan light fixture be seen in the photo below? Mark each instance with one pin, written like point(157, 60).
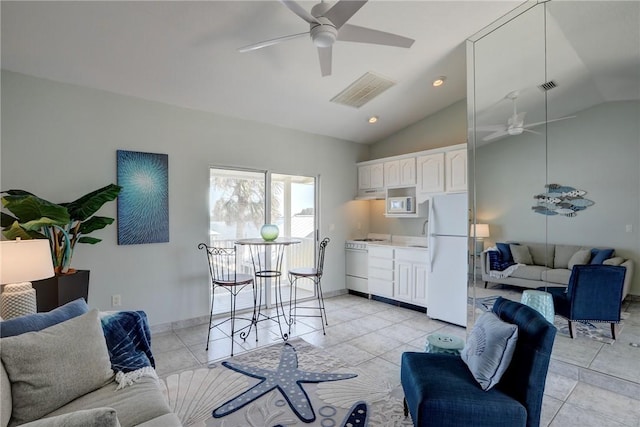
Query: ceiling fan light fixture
point(324, 35)
point(372, 119)
point(515, 131)
point(438, 81)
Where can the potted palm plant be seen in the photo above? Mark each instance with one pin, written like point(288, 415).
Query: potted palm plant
point(63, 224)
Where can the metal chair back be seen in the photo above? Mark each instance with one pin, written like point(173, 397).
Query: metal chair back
point(321, 249)
point(223, 267)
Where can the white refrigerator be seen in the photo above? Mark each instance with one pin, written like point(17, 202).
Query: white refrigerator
point(448, 258)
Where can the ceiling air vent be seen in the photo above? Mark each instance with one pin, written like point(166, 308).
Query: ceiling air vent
point(548, 86)
point(363, 90)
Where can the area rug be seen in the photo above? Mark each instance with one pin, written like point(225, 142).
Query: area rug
point(590, 330)
point(286, 384)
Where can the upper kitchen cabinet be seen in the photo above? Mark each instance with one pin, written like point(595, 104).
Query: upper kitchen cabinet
point(400, 173)
point(431, 173)
point(455, 169)
point(371, 176)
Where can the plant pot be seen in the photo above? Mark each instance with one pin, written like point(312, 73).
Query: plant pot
point(61, 289)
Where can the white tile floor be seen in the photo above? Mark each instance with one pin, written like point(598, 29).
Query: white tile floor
point(589, 384)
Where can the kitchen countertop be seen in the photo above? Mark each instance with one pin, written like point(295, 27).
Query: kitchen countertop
point(409, 242)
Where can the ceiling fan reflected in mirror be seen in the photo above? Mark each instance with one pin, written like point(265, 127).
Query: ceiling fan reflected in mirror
point(515, 124)
point(328, 24)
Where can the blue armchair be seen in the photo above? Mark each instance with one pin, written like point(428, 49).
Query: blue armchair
point(594, 294)
point(440, 391)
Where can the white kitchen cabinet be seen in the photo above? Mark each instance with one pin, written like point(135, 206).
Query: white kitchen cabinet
point(392, 173)
point(400, 173)
point(364, 177)
point(377, 175)
point(456, 171)
point(381, 272)
point(371, 176)
point(411, 276)
point(408, 171)
point(430, 170)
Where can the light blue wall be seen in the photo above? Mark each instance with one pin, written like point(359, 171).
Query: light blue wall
point(598, 151)
point(59, 141)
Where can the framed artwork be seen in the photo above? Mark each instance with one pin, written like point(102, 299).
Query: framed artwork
point(143, 203)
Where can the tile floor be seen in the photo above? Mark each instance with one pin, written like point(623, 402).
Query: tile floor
point(589, 383)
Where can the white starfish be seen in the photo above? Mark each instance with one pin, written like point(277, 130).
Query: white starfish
point(287, 378)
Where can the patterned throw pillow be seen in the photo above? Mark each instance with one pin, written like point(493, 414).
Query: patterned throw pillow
point(489, 349)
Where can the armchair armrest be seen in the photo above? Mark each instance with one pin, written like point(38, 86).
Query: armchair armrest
point(628, 264)
point(484, 265)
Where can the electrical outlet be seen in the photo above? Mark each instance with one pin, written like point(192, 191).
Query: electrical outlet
point(116, 300)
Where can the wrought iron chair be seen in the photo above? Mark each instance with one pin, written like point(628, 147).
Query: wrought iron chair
point(314, 274)
point(594, 294)
point(224, 275)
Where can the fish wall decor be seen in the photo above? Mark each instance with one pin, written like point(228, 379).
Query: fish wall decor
point(561, 200)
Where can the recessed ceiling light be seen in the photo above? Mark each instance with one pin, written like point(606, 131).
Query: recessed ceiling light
point(439, 81)
point(373, 119)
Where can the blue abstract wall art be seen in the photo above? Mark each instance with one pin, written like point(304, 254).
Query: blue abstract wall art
point(143, 203)
point(561, 200)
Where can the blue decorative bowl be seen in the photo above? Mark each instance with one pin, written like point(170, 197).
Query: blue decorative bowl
point(269, 232)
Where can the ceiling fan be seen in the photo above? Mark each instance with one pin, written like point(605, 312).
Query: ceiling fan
point(328, 23)
point(515, 124)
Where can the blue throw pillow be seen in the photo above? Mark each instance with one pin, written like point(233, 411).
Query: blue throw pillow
point(599, 255)
point(505, 251)
point(39, 321)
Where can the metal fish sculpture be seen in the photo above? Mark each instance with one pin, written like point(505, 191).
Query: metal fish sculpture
point(561, 200)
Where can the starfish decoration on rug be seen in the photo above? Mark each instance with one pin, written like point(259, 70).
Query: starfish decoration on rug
point(287, 378)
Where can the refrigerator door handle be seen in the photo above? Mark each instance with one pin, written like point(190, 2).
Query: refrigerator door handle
point(431, 239)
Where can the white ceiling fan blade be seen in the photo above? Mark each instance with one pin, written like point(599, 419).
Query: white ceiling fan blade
point(354, 33)
point(549, 121)
point(342, 11)
point(324, 53)
point(495, 135)
point(271, 42)
point(492, 128)
point(300, 11)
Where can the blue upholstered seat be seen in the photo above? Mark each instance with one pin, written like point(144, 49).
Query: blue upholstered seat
point(594, 294)
point(441, 391)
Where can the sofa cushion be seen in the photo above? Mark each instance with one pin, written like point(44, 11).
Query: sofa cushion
point(521, 254)
point(71, 360)
point(557, 275)
point(542, 254)
point(529, 272)
point(618, 260)
point(489, 349)
point(581, 257)
point(39, 321)
point(99, 417)
point(5, 397)
point(134, 405)
point(563, 254)
point(599, 255)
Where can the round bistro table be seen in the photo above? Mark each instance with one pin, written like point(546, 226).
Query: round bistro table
point(265, 269)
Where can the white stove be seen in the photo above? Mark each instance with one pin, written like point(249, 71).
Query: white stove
point(356, 261)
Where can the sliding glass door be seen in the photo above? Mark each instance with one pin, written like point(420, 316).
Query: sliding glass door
point(241, 201)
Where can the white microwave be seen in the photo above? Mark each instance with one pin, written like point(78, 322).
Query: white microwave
point(399, 205)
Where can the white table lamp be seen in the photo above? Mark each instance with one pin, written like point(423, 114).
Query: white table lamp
point(479, 231)
point(22, 261)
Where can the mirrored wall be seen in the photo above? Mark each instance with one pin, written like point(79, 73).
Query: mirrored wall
point(553, 99)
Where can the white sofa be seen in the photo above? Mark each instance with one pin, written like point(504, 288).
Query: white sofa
point(550, 267)
point(61, 376)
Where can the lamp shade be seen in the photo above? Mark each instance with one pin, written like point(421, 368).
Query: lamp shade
point(479, 230)
point(25, 260)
